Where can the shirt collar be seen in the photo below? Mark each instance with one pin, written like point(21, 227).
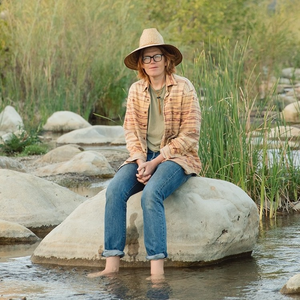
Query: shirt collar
point(170, 80)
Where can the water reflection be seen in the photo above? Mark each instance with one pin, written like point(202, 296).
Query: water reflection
point(260, 277)
point(19, 250)
point(131, 285)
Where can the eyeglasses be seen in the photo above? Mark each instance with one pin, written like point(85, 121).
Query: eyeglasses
point(156, 58)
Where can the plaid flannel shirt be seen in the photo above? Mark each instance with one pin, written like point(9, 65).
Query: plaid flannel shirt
point(182, 117)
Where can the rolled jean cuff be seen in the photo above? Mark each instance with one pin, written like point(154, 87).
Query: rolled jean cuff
point(156, 256)
point(109, 253)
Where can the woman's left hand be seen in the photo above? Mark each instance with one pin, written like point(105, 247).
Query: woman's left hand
point(145, 170)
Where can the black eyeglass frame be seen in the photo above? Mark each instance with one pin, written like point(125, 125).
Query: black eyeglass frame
point(156, 58)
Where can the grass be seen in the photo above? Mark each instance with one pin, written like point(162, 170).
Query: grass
point(229, 147)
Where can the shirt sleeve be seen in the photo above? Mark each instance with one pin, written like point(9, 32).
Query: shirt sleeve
point(132, 128)
point(187, 139)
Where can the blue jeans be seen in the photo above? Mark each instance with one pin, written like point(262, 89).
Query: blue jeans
point(167, 177)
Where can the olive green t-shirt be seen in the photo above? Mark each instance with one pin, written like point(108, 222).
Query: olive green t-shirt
point(156, 124)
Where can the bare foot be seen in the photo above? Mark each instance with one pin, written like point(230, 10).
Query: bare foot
point(102, 273)
point(111, 267)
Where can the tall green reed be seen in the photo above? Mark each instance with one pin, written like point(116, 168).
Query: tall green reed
point(232, 146)
point(67, 55)
point(223, 145)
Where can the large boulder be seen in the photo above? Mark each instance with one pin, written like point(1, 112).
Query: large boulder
point(62, 121)
point(208, 220)
point(95, 135)
point(10, 120)
point(34, 202)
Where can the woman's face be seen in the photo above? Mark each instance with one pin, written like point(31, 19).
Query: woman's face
point(154, 69)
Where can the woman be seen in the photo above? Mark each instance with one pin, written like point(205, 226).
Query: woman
point(162, 125)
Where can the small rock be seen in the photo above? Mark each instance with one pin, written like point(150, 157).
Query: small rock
point(12, 233)
point(291, 113)
point(11, 164)
point(291, 73)
point(292, 286)
point(10, 120)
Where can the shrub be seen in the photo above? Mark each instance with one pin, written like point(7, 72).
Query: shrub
point(36, 149)
point(17, 143)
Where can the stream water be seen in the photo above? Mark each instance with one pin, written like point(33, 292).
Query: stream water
point(260, 277)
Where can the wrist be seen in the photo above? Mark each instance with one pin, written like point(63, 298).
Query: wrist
point(156, 161)
point(139, 161)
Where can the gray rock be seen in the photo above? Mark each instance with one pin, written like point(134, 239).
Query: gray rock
point(295, 92)
point(284, 133)
point(291, 113)
point(208, 220)
point(285, 81)
point(12, 233)
point(11, 164)
point(292, 286)
point(285, 99)
point(34, 202)
point(297, 207)
point(291, 73)
point(60, 154)
point(96, 135)
point(65, 121)
point(88, 163)
point(10, 120)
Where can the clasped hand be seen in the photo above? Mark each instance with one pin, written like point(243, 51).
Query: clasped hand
point(144, 171)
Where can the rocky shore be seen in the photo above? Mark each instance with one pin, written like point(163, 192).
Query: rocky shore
point(30, 164)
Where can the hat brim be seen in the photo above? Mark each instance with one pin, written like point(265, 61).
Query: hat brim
point(131, 60)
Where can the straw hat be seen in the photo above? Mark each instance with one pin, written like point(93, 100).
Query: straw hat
point(150, 38)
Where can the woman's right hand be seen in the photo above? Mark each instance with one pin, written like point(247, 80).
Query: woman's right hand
point(146, 169)
point(141, 176)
